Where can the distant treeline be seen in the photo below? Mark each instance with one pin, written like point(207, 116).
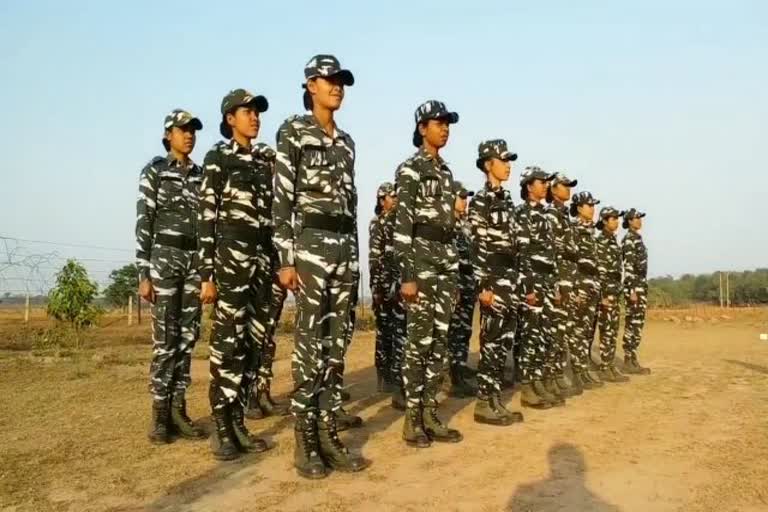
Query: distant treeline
point(746, 289)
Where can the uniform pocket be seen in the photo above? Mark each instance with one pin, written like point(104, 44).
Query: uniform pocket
point(430, 186)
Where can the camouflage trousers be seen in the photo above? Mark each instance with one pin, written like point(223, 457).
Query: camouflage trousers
point(562, 332)
point(535, 356)
point(608, 323)
point(584, 314)
point(326, 267)
point(175, 320)
point(270, 347)
point(386, 325)
point(634, 321)
point(243, 276)
point(460, 328)
point(498, 326)
point(427, 337)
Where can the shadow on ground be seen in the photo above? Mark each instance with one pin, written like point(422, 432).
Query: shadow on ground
point(563, 490)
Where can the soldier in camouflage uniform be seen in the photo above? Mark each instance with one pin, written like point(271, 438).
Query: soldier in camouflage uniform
point(383, 287)
point(166, 242)
point(609, 270)
point(538, 279)
point(261, 404)
point(315, 218)
point(460, 328)
point(428, 262)
point(494, 258)
point(235, 266)
point(635, 289)
point(586, 290)
point(566, 257)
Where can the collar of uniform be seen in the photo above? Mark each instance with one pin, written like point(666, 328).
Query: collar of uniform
point(490, 188)
point(587, 224)
point(175, 163)
point(607, 235)
point(534, 204)
point(237, 148)
point(318, 132)
point(423, 153)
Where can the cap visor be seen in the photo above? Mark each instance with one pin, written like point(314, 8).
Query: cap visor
point(347, 78)
point(194, 123)
point(509, 157)
point(260, 102)
point(572, 183)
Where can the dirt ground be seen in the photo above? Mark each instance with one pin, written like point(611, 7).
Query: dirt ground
point(693, 436)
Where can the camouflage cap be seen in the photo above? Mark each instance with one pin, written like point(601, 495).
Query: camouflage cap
point(633, 213)
point(179, 117)
point(584, 197)
point(560, 178)
point(496, 148)
point(461, 190)
point(531, 173)
point(386, 189)
point(609, 211)
point(240, 97)
point(325, 66)
point(434, 109)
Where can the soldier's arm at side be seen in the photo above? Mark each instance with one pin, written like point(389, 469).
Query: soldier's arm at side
point(408, 185)
point(375, 255)
point(286, 165)
point(524, 257)
point(208, 212)
point(629, 255)
point(146, 209)
point(478, 221)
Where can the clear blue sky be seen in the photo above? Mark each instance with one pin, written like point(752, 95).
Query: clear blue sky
point(660, 105)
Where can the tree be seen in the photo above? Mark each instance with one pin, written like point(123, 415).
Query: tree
point(71, 300)
point(123, 285)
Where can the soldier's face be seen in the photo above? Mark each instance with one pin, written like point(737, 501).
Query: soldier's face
point(436, 132)
point(537, 189)
point(636, 223)
point(460, 206)
point(499, 169)
point(181, 139)
point(327, 92)
point(586, 211)
point(561, 192)
point(245, 121)
point(612, 224)
point(388, 202)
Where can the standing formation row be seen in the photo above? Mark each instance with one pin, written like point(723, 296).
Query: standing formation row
point(254, 223)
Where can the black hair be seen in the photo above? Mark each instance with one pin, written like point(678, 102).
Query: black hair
point(549, 197)
point(524, 191)
point(418, 140)
point(307, 99)
point(574, 209)
point(166, 144)
point(599, 225)
point(378, 208)
point(625, 223)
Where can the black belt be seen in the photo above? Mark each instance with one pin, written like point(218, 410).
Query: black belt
point(246, 233)
point(433, 233)
point(186, 243)
point(542, 266)
point(501, 260)
point(587, 269)
point(342, 225)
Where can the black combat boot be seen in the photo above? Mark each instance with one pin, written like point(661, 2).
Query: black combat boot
point(460, 386)
point(551, 386)
point(594, 378)
point(333, 452)
point(181, 424)
point(253, 410)
point(606, 375)
point(383, 381)
point(398, 398)
point(577, 388)
point(617, 375)
point(565, 386)
point(413, 429)
point(222, 441)
point(160, 433)
point(345, 421)
point(306, 454)
point(529, 398)
point(244, 440)
point(492, 412)
point(637, 369)
point(267, 405)
point(539, 389)
point(437, 430)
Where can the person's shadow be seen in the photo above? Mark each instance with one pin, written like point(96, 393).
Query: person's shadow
point(564, 490)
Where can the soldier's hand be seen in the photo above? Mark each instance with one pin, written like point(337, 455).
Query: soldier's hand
point(147, 291)
point(531, 299)
point(288, 279)
point(486, 298)
point(208, 292)
point(557, 298)
point(633, 297)
point(410, 291)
